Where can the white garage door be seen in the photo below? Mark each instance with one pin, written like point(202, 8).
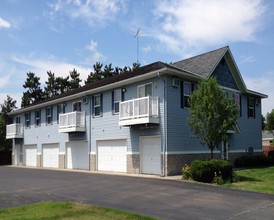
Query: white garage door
point(30, 155)
point(77, 155)
point(151, 155)
point(112, 155)
point(50, 155)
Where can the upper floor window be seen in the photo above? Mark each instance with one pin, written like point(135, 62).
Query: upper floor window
point(116, 99)
point(186, 90)
point(77, 106)
point(27, 119)
point(97, 105)
point(37, 118)
point(61, 108)
point(49, 115)
point(18, 120)
point(251, 107)
point(145, 90)
point(237, 99)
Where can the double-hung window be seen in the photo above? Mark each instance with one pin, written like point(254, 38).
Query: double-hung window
point(187, 89)
point(145, 90)
point(18, 120)
point(77, 106)
point(97, 105)
point(237, 99)
point(251, 107)
point(37, 118)
point(61, 108)
point(49, 115)
point(116, 99)
point(27, 119)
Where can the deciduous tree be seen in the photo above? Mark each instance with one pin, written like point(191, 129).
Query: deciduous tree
point(212, 114)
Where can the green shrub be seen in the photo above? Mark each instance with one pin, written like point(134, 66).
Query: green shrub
point(253, 161)
point(186, 172)
point(209, 171)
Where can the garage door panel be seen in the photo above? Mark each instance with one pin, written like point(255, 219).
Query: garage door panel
point(50, 155)
point(77, 156)
point(112, 155)
point(30, 155)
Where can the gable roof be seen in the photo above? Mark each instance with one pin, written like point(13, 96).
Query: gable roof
point(197, 67)
point(203, 64)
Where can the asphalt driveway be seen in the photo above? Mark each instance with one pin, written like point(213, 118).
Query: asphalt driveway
point(162, 198)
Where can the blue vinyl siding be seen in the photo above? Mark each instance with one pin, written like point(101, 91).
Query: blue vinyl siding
point(224, 75)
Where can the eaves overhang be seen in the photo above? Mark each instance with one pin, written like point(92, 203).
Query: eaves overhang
point(119, 84)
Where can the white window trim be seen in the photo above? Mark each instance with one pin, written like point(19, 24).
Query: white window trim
point(143, 85)
point(27, 120)
point(187, 95)
point(38, 118)
point(96, 106)
point(119, 91)
point(74, 104)
point(51, 115)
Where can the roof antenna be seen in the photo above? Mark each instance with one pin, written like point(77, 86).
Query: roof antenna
point(137, 40)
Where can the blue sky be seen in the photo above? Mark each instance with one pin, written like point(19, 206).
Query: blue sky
point(60, 35)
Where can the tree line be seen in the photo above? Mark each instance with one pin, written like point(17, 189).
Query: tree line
point(56, 85)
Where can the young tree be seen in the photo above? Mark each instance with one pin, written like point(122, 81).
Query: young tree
point(270, 121)
point(8, 106)
point(51, 85)
point(34, 92)
point(212, 114)
point(96, 75)
point(74, 79)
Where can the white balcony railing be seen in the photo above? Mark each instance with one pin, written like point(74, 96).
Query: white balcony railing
point(72, 122)
point(14, 131)
point(139, 111)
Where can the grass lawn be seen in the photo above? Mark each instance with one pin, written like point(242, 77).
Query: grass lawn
point(65, 211)
point(259, 180)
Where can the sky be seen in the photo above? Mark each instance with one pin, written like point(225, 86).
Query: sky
point(60, 35)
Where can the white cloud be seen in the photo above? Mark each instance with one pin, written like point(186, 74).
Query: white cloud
point(96, 56)
point(264, 85)
point(247, 59)
point(14, 96)
point(93, 12)
point(4, 23)
point(41, 66)
point(189, 25)
point(147, 48)
point(4, 81)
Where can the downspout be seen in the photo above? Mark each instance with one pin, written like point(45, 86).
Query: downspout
point(90, 106)
point(164, 132)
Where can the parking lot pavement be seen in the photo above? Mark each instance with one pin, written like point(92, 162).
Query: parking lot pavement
point(165, 198)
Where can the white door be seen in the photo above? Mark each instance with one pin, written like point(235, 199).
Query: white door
point(151, 155)
point(112, 155)
point(77, 155)
point(50, 155)
point(30, 155)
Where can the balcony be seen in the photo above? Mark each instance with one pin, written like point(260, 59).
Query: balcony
point(139, 111)
point(14, 131)
point(72, 122)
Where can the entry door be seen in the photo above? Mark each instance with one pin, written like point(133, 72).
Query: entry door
point(151, 155)
point(77, 155)
point(30, 155)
